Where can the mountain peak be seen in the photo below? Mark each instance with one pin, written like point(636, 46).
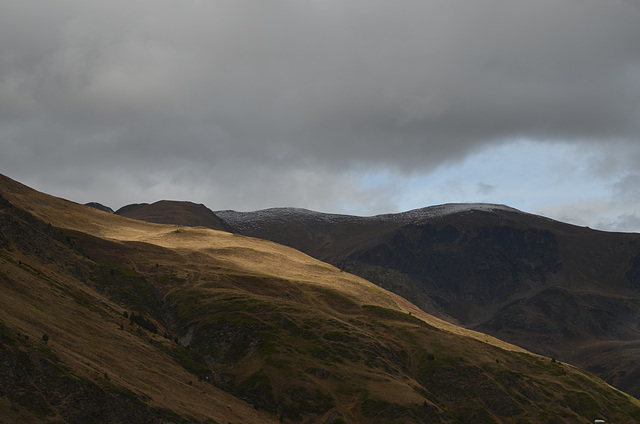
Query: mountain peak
point(448, 209)
point(99, 206)
point(174, 212)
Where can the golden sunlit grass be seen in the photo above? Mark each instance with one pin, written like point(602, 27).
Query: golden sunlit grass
point(227, 250)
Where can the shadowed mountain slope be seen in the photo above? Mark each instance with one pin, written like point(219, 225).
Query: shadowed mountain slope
point(108, 319)
point(553, 288)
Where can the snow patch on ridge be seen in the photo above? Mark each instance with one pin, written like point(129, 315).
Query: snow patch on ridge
point(447, 209)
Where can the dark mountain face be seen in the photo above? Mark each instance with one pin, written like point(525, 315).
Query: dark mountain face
point(479, 266)
point(553, 288)
point(174, 212)
point(597, 330)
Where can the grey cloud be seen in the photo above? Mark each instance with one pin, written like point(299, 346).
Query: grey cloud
point(627, 188)
point(619, 210)
point(628, 222)
point(223, 91)
point(484, 189)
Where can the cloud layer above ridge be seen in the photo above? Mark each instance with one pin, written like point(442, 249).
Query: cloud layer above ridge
point(258, 104)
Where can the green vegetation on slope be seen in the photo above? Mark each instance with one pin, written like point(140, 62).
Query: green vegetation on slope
point(296, 361)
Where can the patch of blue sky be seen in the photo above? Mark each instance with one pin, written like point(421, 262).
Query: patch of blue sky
point(524, 174)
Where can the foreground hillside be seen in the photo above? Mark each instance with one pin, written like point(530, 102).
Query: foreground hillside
point(108, 319)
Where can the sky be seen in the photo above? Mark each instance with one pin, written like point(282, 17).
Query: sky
point(343, 106)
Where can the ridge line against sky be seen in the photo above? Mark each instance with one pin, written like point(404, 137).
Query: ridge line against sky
point(353, 106)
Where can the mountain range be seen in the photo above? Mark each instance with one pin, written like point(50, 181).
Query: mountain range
point(564, 291)
point(105, 318)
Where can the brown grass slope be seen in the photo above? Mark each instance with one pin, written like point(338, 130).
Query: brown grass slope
point(224, 328)
point(557, 289)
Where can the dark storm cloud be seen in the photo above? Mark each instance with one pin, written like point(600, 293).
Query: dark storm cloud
point(231, 94)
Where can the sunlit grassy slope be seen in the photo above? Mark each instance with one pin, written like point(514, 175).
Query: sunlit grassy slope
point(226, 328)
point(205, 247)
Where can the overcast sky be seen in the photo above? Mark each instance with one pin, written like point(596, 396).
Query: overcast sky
point(344, 106)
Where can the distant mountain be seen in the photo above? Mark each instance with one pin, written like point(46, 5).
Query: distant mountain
point(107, 319)
point(564, 291)
point(174, 212)
point(99, 206)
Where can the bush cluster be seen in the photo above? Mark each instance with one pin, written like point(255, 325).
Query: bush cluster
point(143, 322)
